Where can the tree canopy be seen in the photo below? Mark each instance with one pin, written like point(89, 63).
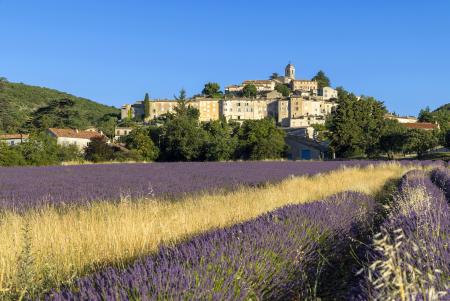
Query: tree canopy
point(249, 90)
point(283, 89)
point(356, 125)
point(321, 79)
point(212, 89)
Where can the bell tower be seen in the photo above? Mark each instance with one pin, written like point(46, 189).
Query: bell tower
point(289, 72)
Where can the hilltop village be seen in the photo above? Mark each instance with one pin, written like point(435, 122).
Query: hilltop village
point(291, 102)
point(279, 117)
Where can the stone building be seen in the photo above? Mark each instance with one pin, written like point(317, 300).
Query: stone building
point(328, 93)
point(261, 85)
point(208, 107)
point(154, 108)
point(304, 85)
point(242, 108)
point(120, 132)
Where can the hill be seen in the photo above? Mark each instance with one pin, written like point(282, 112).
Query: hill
point(18, 103)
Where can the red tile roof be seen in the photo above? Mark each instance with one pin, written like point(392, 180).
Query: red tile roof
point(421, 125)
point(71, 133)
point(13, 136)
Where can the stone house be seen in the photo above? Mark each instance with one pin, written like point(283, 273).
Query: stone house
point(120, 132)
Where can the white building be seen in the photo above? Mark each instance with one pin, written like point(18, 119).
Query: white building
point(73, 137)
point(13, 139)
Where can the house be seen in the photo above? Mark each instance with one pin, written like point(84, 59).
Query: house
point(401, 119)
point(305, 148)
point(120, 132)
point(427, 126)
point(73, 137)
point(13, 139)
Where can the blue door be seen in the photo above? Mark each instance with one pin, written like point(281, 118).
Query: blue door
point(305, 154)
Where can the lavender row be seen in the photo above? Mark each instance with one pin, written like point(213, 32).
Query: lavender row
point(34, 186)
point(276, 256)
point(441, 177)
point(411, 255)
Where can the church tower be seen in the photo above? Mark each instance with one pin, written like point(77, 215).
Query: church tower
point(289, 72)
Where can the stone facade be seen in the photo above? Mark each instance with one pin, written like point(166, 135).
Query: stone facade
point(304, 85)
point(328, 93)
point(208, 108)
point(242, 108)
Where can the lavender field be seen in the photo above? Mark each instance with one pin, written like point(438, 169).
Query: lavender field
point(376, 233)
point(32, 186)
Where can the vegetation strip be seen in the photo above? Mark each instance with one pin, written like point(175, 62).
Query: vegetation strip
point(411, 255)
point(69, 243)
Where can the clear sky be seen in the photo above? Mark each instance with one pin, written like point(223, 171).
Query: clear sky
point(114, 51)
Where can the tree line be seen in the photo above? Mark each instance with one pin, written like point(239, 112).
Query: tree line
point(358, 128)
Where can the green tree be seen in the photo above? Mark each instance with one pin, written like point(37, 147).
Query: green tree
point(221, 141)
point(108, 123)
point(140, 141)
point(182, 139)
point(274, 75)
point(393, 138)
point(260, 139)
point(146, 106)
point(321, 79)
point(59, 113)
point(212, 90)
point(356, 125)
point(98, 150)
point(10, 156)
point(283, 89)
point(40, 149)
point(420, 141)
point(68, 153)
point(425, 115)
point(249, 90)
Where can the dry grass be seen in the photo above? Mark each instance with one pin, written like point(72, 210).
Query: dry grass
point(66, 244)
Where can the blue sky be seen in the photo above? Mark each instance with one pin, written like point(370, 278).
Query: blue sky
point(115, 51)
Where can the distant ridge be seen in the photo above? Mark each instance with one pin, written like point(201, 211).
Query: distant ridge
point(18, 101)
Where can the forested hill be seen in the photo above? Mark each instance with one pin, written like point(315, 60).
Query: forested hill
point(445, 107)
point(19, 103)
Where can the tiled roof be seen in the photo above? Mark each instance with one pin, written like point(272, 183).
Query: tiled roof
point(258, 81)
point(421, 125)
point(304, 80)
point(13, 136)
point(71, 133)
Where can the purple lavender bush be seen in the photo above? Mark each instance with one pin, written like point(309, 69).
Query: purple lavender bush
point(411, 255)
point(29, 187)
point(441, 177)
point(277, 256)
